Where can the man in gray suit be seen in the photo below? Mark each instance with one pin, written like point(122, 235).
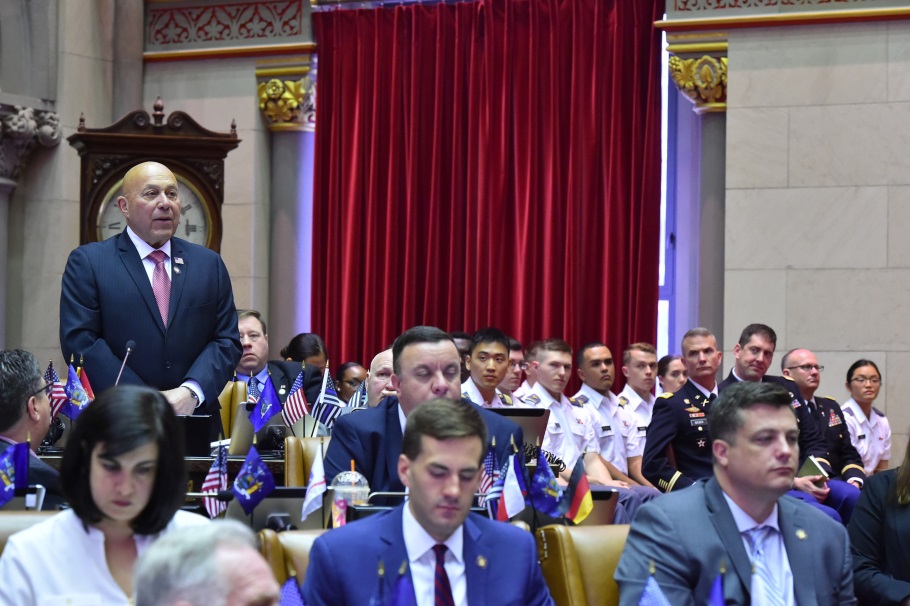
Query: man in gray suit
point(739, 521)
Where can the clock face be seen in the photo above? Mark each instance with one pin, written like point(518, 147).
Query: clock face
point(195, 220)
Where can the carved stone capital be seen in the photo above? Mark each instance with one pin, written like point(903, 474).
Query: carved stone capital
point(698, 67)
point(21, 129)
point(286, 92)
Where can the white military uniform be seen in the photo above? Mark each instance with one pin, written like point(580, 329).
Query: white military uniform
point(870, 436)
point(617, 430)
point(470, 391)
point(639, 407)
point(571, 430)
point(523, 390)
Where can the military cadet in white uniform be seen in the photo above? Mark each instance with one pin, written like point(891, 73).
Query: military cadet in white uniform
point(487, 363)
point(870, 431)
point(530, 374)
point(639, 366)
point(572, 430)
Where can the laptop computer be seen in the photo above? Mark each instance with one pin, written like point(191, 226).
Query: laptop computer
point(533, 421)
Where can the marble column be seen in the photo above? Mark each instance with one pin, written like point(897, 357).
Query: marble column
point(698, 67)
point(287, 99)
point(22, 129)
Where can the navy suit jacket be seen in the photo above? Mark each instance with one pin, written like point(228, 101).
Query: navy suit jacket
point(500, 563)
point(689, 535)
point(372, 438)
point(107, 300)
point(811, 439)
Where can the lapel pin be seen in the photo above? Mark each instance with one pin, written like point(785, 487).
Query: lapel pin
point(801, 534)
point(282, 390)
point(178, 260)
point(481, 561)
point(176, 270)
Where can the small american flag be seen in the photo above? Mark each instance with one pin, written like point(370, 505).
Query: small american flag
point(328, 406)
point(58, 393)
point(359, 399)
point(296, 405)
point(215, 481)
point(488, 475)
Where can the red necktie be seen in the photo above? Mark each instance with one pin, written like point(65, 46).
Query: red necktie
point(443, 589)
point(161, 284)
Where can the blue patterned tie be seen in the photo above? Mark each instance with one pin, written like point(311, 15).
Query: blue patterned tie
point(766, 589)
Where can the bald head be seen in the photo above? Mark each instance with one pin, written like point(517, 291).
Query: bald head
point(801, 365)
point(378, 381)
point(150, 202)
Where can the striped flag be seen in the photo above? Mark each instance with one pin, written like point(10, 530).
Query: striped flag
point(489, 473)
point(86, 386)
point(296, 405)
point(514, 490)
point(576, 502)
point(359, 399)
point(215, 481)
point(58, 392)
point(328, 407)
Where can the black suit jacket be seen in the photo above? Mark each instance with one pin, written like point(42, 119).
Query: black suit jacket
point(107, 300)
point(372, 439)
point(880, 543)
point(811, 439)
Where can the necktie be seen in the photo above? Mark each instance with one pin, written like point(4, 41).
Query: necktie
point(161, 284)
point(766, 588)
point(443, 590)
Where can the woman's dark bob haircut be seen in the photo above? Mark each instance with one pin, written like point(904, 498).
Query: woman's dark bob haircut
point(122, 419)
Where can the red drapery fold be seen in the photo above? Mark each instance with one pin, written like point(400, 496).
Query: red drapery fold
point(487, 163)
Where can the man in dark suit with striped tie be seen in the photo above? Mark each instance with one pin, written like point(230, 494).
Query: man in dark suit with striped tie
point(172, 298)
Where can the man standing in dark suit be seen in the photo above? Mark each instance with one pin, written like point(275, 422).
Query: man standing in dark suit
point(425, 365)
point(753, 354)
point(738, 526)
point(171, 297)
point(25, 415)
point(450, 556)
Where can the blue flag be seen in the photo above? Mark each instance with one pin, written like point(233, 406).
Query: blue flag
point(267, 407)
point(544, 492)
point(290, 593)
point(716, 597)
point(403, 591)
point(76, 398)
point(13, 471)
point(254, 481)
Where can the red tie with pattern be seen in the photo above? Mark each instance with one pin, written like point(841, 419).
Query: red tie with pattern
point(161, 284)
point(443, 589)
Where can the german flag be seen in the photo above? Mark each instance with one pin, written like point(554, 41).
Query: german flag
point(576, 502)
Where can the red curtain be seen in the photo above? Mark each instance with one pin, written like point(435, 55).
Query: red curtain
point(487, 163)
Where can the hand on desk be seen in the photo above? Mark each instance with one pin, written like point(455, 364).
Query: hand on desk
point(181, 399)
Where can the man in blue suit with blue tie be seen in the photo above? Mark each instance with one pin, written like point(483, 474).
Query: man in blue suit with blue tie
point(449, 555)
point(172, 298)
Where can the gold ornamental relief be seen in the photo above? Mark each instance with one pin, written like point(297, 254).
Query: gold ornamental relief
point(288, 103)
point(702, 79)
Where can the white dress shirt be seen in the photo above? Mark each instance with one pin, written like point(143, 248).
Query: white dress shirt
point(639, 407)
point(571, 430)
point(871, 436)
point(470, 391)
point(422, 561)
point(616, 429)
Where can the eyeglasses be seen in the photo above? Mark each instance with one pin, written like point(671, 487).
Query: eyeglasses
point(864, 380)
point(517, 364)
point(46, 389)
point(808, 368)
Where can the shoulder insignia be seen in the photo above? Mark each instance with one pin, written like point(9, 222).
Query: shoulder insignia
point(876, 410)
point(623, 400)
point(666, 394)
point(788, 378)
point(505, 399)
point(574, 402)
point(583, 399)
point(533, 397)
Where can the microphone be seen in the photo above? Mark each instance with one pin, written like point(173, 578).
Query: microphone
point(130, 346)
point(225, 496)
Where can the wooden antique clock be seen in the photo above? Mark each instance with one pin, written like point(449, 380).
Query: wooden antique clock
point(194, 154)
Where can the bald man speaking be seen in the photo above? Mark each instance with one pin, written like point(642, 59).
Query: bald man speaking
point(172, 298)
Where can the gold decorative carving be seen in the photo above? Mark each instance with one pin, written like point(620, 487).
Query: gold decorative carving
point(288, 104)
point(702, 79)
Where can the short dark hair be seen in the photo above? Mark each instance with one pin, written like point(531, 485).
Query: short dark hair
point(515, 345)
point(859, 364)
point(580, 356)
point(663, 365)
point(442, 419)
point(557, 345)
point(303, 346)
point(252, 313)
point(122, 419)
point(762, 330)
point(531, 351)
point(725, 417)
point(339, 374)
point(640, 346)
point(20, 376)
point(414, 335)
point(489, 335)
